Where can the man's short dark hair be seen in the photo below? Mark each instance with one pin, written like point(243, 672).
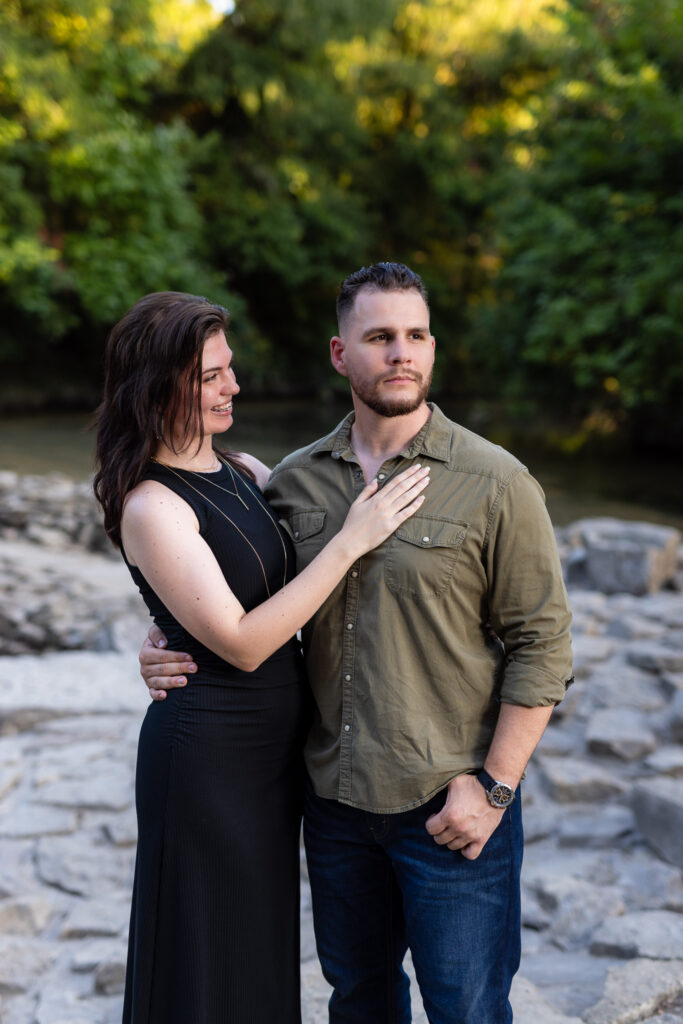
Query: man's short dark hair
point(384, 277)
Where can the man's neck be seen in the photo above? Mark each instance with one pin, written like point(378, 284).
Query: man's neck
point(376, 438)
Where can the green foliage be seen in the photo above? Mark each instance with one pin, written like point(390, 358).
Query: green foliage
point(524, 158)
point(590, 295)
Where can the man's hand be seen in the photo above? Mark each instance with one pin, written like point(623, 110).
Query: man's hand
point(467, 820)
point(163, 670)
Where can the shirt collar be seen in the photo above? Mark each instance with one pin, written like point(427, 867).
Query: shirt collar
point(433, 440)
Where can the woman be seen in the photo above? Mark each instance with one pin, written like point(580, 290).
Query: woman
point(214, 925)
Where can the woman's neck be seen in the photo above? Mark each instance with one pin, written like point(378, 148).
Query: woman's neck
point(203, 460)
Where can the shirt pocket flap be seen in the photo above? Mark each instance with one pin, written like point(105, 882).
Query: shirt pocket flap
point(305, 523)
point(432, 532)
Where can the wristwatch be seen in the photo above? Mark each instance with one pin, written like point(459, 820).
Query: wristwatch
point(499, 794)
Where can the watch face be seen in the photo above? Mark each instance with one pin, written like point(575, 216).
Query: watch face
point(501, 795)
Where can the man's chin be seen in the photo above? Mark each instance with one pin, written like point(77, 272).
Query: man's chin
point(394, 407)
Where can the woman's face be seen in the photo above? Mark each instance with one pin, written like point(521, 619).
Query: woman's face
point(218, 386)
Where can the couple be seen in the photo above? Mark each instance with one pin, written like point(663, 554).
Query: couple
point(436, 637)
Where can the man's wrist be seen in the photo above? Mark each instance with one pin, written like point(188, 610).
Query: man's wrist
point(499, 794)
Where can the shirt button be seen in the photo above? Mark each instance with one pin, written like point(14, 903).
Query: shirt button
point(381, 476)
point(354, 573)
point(296, 533)
point(349, 625)
point(359, 474)
point(347, 728)
point(347, 677)
point(425, 540)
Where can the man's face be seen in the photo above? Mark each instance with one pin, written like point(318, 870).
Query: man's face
point(386, 350)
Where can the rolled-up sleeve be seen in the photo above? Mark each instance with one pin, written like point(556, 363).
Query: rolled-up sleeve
point(528, 603)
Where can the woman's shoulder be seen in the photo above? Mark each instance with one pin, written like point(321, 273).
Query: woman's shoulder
point(151, 500)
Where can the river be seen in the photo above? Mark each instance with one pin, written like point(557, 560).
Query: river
point(580, 484)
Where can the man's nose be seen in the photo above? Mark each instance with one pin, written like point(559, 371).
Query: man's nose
point(399, 351)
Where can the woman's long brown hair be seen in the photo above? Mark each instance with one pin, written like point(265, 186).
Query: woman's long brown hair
point(153, 364)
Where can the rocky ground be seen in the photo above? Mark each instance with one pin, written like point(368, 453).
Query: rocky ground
point(603, 879)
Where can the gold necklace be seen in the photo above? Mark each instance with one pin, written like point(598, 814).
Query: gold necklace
point(221, 462)
point(261, 505)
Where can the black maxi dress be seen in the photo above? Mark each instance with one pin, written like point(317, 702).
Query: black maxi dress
point(214, 931)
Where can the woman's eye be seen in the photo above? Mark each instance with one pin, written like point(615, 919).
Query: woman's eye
point(207, 380)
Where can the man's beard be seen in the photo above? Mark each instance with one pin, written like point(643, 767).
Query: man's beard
point(368, 392)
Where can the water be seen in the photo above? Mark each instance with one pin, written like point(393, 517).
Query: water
point(630, 487)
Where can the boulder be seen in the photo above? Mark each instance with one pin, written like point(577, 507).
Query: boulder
point(636, 990)
point(655, 934)
point(617, 556)
point(658, 808)
point(619, 732)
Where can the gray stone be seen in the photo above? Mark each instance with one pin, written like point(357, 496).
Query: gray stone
point(28, 821)
point(93, 918)
point(596, 828)
point(625, 686)
point(622, 557)
point(658, 808)
point(676, 723)
point(531, 1007)
point(577, 909)
point(22, 961)
point(588, 650)
point(619, 732)
point(10, 777)
point(572, 982)
point(666, 761)
point(636, 990)
point(60, 1005)
point(110, 976)
point(76, 866)
point(99, 792)
point(29, 915)
point(655, 657)
point(633, 627)
point(571, 779)
point(672, 682)
point(655, 934)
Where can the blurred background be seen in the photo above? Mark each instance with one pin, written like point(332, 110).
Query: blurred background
point(524, 156)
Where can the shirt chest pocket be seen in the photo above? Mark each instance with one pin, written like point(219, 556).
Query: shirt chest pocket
point(422, 556)
point(306, 527)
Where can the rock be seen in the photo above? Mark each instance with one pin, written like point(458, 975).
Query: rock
point(625, 686)
point(658, 808)
point(677, 718)
point(76, 865)
point(570, 780)
point(29, 915)
point(28, 821)
point(22, 960)
point(93, 918)
point(666, 761)
point(58, 1005)
point(655, 657)
point(587, 651)
point(614, 556)
point(633, 627)
point(620, 733)
point(573, 989)
point(530, 1007)
point(110, 976)
point(598, 829)
point(672, 683)
point(636, 990)
point(577, 908)
point(99, 792)
point(657, 934)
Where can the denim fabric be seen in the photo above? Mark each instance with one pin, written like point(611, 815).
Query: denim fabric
point(380, 885)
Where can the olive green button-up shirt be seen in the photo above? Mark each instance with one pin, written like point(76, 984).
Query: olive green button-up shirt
point(463, 607)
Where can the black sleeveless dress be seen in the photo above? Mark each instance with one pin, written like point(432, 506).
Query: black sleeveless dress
point(214, 932)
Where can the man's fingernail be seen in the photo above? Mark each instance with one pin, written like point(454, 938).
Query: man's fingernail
point(181, 680)
point(162, 643)
point(192, 667)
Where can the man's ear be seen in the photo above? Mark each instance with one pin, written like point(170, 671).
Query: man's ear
point(337, 355)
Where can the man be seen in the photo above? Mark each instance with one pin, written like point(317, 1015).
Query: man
point(435, 666)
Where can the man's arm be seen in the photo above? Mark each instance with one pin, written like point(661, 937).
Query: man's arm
point(530, 613)
point(467, 819)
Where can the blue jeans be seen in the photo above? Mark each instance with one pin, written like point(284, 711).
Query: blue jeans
point(381, 885)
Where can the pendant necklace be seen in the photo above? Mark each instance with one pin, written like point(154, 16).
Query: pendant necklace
point(218, 509)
